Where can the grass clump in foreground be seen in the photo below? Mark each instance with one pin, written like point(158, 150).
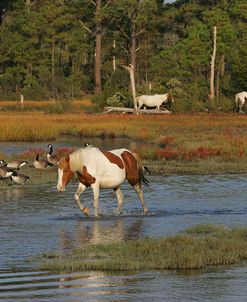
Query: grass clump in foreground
point(198, 247)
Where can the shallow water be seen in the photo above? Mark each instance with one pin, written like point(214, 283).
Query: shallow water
point(12, 148)
point(37, 219)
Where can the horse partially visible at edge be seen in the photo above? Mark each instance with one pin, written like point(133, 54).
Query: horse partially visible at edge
point(154, 100)
point(102, 169)
point(240, 100)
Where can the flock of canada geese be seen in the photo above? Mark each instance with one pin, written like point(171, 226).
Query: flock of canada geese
point(11, 169)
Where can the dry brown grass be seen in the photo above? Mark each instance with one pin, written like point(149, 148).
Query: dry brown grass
point(41, 105)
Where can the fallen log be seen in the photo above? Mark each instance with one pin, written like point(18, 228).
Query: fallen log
point(124, 110)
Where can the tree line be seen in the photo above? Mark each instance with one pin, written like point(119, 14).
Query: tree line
point(69, 48)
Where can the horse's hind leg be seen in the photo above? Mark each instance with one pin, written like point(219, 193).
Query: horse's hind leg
point(119, 199)
point(139, 192)
point(241, 109)
point(79, 190)
point(140, 103)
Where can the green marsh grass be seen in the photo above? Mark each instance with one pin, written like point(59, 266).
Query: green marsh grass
point(198, 247)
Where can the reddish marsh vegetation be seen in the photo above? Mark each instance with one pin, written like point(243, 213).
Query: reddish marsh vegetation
point(180, 138)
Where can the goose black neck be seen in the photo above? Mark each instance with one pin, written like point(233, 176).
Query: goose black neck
point(51, 149)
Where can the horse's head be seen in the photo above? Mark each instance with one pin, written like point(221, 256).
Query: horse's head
point(64, 173)
point(170, 97)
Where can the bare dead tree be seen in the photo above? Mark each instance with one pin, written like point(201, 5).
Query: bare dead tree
point(130, 69)
point(212, 75)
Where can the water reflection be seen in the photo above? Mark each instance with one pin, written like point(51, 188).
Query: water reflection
point(38, 219)
point(11, 194)
point(89, 285)
point(219, 285)
point(96, 232)
point(65, 141)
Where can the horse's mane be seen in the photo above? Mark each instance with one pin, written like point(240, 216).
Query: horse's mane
point(77, 158)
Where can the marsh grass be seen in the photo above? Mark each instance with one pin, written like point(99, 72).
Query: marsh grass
point(79, 105)
point(198, 247)
point(213, 166)
point(200, 143)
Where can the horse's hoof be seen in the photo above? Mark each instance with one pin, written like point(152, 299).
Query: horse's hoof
point(86, 211)
point(145, 210)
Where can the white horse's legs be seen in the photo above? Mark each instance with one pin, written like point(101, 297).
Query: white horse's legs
point(139, 192)
point(119, 200)
point(241, 105)
point(140, 103)
point(79, 190)
point(95, 188)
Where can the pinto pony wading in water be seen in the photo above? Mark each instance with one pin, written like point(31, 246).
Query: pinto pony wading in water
point(102, 169)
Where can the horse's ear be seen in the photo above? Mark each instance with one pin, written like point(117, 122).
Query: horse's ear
point(67, 159)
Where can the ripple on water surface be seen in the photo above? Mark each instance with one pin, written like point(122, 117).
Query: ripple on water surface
point(38, 219)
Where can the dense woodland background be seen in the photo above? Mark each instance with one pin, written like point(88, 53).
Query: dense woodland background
point(66, 49)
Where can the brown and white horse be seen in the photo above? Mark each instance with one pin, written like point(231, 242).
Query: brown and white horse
point(102, 169)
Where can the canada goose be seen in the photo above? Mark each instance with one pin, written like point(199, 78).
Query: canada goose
point(19, 179)
point(17, 164)
point(41, 164)
point(5, 172)
point(3, 163)
point(52, 158)
point(146, 170)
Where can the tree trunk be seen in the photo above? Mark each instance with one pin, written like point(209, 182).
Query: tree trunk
point(130, 69)
point(72, 79)
point(53, 68)
point(218, 84)
point(220, 74)
point(98, 86)
point(212, 89)
point(222, 66)
point(133, 46)
point(114, 57)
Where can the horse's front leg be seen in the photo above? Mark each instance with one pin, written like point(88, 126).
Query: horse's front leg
point(81, 188)
point(119, 199)
point(95, 188)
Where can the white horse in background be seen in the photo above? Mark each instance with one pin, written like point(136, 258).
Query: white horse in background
point(102, 169)
point(154, 100)
point(240, 100)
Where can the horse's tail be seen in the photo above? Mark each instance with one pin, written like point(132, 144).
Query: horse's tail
point(235, 109)
point(139, 104)
point(134, 150)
